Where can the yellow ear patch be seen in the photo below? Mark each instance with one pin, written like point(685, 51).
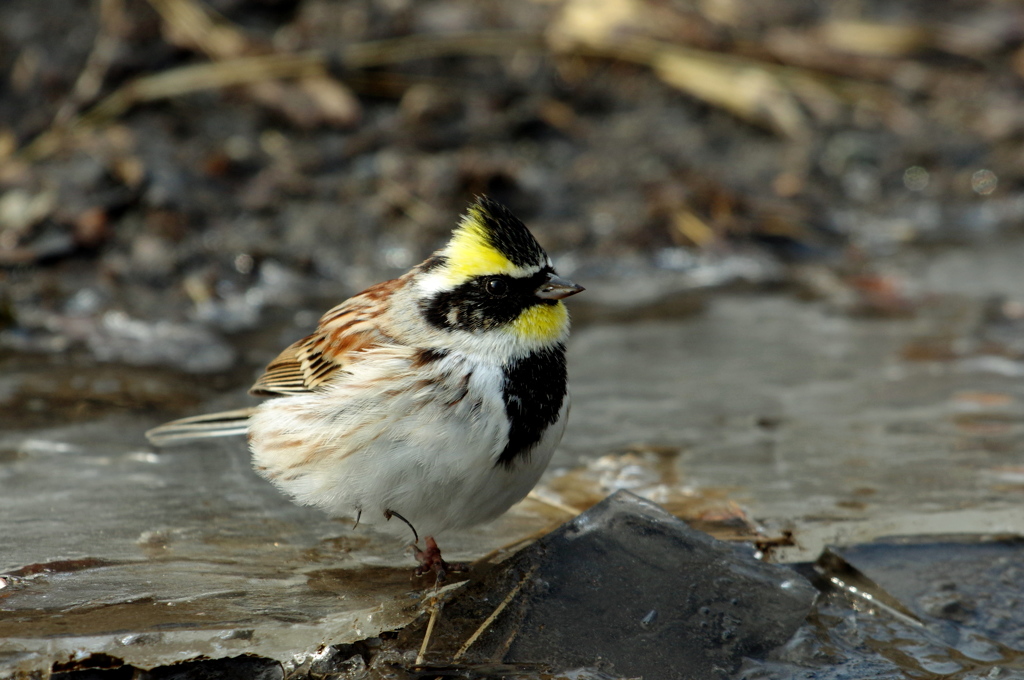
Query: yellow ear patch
point(471, 254)
point(542, 323)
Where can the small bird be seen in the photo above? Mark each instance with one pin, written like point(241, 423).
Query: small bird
point(436, 398)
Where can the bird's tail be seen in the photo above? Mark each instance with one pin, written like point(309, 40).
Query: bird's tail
point(223, 424)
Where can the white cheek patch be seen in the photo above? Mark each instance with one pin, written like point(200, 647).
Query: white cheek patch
point(432, 283)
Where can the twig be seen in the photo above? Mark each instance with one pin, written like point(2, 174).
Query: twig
point(567, 509)
point(762, 93)
point(198, 27)
point(407, 48)
point(90, 80)
point(176, 82)
point(494, 615)
point(315, 98)
point(435, 608)
point(217, 40)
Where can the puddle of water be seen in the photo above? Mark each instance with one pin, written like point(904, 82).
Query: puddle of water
point(811, 421)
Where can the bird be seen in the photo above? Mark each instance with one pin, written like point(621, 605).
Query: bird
point(436, 398)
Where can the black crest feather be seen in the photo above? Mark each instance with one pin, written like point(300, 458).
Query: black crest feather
point(507, 233)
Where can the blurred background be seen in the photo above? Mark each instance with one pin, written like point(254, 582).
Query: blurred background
point(179, 178)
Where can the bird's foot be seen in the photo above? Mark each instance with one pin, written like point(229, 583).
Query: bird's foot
point(430, 560)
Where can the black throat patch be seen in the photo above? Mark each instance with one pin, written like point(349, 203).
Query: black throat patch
point(535, 387)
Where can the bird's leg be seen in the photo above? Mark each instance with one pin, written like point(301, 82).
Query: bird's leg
point(431, 560)
point(388, 514)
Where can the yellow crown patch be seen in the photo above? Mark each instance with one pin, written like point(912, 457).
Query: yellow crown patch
point(470, 252)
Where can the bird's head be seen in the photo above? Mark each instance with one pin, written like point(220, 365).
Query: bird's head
point(493, 276)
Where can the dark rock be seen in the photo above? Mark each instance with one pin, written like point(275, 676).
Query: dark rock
point(238, 668)
point(629, 589)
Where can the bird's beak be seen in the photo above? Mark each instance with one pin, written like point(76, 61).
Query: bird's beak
point(556, 288)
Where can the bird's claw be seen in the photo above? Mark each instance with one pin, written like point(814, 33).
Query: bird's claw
point(430, 560)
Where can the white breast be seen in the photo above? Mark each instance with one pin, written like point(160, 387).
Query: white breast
point(422, 442)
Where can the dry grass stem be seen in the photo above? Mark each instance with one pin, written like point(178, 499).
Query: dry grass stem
point(550, 502)
point(408, 48)
point(519, 542)
point(493, 616)
point(768, 95)
point(104, 48)
point(876, 38)
point(317, 98)
point(435, 610)
point(174, 83)
point(193, 26)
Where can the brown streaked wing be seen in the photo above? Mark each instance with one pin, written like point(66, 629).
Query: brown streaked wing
point(350, 327)
point(283, 375)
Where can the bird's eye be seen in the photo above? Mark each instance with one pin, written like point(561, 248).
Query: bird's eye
point(496, 286)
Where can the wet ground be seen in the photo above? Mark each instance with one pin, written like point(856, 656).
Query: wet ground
point(789, 423)
point(803, 324)
point(859, 426)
